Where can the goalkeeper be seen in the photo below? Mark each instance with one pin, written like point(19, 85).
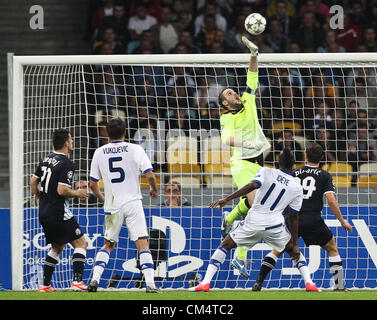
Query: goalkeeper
point(241, 130)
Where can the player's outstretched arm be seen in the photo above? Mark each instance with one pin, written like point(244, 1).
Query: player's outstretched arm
point(334, 207)
point(253, 65)
point(240, 192)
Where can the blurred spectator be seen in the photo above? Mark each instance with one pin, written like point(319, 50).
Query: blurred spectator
point(165, 33)
point(107, 10)
point(258, 40)
point(351, 112)
point(288, 107)
point(289, 142)
point(173, 196)
point(111, 97)
point(186, 23)
point(143, 131)
point(180, 48)
point(274, 38)
point(358, 15)
point(350, 36)
point(207, 34)
point(185, 38)
point(181, 74)
point(369, 39)
point(180, 98)
point(322, 88)
point(340, 132)
point(212, 9)
point(103, 137)
point(361, 150)
point(152, 7)
point(327, 141)
point(287, 21)
point(118, 21)
point(176, 9)
point(234, 35)
point(209, 90)
point(210, 117)
point(106, 48)
point(146, 94)
point(139, 22)
point(362, 120)
point(84, 202)
point(371, 12)
point(330, 43)
point(109, 39)
point(320, 10)
point(360, 94)
point(220, 39)
point(307, 35)
point(275, 7)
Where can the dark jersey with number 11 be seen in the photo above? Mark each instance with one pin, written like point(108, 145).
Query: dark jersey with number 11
point(54, 169)
point(315, 182)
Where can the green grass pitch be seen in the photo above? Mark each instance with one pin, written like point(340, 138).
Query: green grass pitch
point(184, 295)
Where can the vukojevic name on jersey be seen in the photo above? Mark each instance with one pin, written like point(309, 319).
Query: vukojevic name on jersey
point(278, 190)
point(244, 125)
point(119, 165)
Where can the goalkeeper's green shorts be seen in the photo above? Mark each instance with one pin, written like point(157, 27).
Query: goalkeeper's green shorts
point(243, 172)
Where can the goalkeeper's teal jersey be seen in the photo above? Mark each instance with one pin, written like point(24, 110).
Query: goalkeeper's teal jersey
point(244, 125)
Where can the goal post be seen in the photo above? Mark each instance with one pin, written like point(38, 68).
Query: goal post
point(76, 92)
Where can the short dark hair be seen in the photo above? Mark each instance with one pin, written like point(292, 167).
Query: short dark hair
point(221, 98)
point(59, 138)
point(116, 128)
point(314, 152)
point(286, 159)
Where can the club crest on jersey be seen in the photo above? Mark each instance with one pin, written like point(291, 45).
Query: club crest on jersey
point(77, 232)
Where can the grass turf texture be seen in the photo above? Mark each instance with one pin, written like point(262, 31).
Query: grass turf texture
point(185, 295)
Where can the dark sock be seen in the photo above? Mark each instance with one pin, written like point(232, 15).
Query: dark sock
point(48, 269)
point(267, 265)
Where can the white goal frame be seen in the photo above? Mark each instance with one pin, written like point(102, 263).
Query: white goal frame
point(16, 65)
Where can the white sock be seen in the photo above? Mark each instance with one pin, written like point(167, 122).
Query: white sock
point(303, 268)
point(102, 258)
point(336, 268)
point(216, 261)
point(147, 267)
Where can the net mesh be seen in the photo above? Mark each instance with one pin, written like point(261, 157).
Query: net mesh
point(172, 112)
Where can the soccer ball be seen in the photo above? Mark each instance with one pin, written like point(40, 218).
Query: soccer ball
point(255, 23)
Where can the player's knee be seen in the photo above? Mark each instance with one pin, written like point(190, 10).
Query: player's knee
point(227, 243)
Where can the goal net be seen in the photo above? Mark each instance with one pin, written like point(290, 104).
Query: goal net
point(169, 103)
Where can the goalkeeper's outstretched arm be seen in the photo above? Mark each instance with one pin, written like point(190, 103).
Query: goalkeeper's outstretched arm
point(253, 65)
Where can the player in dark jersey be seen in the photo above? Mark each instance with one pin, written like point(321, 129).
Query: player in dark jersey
point(51, 185)
point(312, 228)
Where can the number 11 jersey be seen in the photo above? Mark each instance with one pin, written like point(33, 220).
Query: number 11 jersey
point(315, 183)
point(119, 164)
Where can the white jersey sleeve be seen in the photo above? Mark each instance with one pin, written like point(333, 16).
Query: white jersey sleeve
point(142, 159)
point(260, 176)
point(296, 203)
point(95, 173)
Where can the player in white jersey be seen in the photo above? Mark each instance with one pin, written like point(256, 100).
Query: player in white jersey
point(277, 191)
point(119, 164)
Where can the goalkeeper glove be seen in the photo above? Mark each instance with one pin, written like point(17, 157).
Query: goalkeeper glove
point(253, 144)
point(252, 47)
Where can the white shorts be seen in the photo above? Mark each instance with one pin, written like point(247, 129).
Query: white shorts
point(132, 215)
point(275, 236)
